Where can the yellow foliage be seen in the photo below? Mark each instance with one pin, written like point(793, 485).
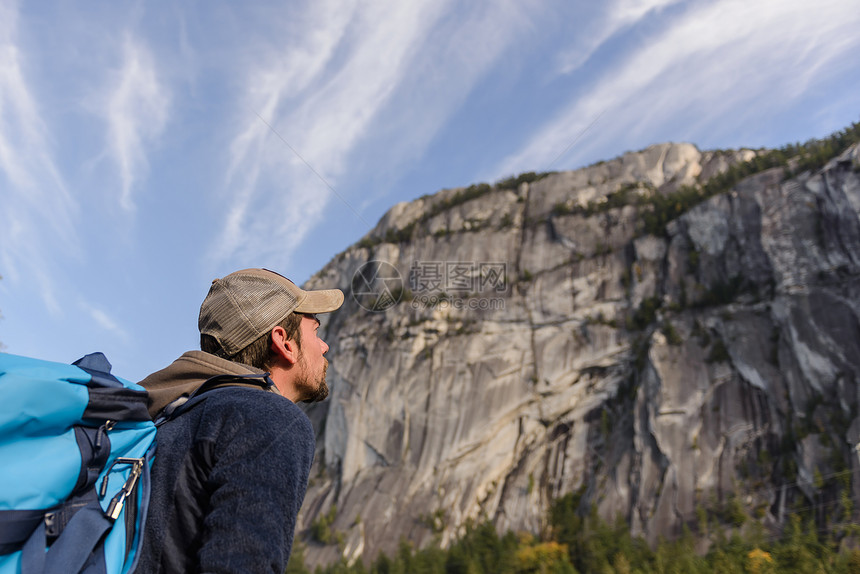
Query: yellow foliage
point(621, 564)
point(537, 558)
point(759, 561)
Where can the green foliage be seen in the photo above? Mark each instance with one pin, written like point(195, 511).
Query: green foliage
point(405, 234)
point(801, 550)
point(402, 235)
point(817, 480)
point(659, 209)
point(513, 183)
point(562, 208)
point(645, 314)
point(796, 158)
point(847, 503)
point(592, 543)
point(625, 195)
point(577, 540)
point(701, 333)
point(719, 353)
point(722, 292)
point(368, 242)
point(672, 336)
point(601, 320)
point(322, 530)
point(296, 564)
point(459, 198)
point(602, 248)
point(733, 512)
point(481, 550)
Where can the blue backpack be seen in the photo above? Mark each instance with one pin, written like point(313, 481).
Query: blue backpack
point(75, 451)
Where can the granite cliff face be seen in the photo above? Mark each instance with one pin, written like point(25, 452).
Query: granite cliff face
point(547, 340)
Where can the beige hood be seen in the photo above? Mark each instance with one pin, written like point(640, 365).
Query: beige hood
point(185, 375)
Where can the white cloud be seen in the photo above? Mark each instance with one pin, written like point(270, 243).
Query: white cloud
point(280, 76)
point(398, 68)
point(458, 54)
point(39, 212)
point(714, 60)
point(320, 96)
point(136, 110)
point(105, 321)
point(618, 16)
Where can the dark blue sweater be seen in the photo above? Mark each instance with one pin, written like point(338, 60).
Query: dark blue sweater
point(228, 480)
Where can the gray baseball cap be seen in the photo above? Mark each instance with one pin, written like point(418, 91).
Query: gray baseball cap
point(247, 304)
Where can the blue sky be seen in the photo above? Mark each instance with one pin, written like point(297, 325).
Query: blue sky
point(149, 147)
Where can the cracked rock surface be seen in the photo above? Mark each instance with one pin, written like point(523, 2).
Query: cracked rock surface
point(661, 375)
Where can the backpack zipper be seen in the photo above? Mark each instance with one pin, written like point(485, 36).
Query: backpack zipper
point(103, 430)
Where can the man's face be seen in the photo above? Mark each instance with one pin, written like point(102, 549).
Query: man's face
point(310, 382)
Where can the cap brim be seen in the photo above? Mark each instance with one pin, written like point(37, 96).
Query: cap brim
point(322, 301)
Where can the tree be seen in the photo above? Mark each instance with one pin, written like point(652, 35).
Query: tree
point(296, 565)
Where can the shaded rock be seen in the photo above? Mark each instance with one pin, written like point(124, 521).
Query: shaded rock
point(544, 344)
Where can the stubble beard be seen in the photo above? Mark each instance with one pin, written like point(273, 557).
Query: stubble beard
point(314, 391)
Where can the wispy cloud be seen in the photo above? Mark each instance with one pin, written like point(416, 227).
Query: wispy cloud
point(615, 18)
point(285, 73)
point(320, 96)
point(136, 111)
point(39, 212)
point(397, 68)
point(699, 72)
point(105, 321)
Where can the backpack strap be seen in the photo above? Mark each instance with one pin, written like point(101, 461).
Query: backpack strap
point(182, 404)
point(71, 551)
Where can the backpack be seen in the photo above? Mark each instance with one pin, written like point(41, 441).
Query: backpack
point(76, 445)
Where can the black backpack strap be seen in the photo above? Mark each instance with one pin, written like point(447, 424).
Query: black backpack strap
point(263, 380)
point(179, 406)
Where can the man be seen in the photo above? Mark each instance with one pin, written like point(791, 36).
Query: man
point(231, 470)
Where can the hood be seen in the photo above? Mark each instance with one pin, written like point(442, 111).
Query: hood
point(184, 375)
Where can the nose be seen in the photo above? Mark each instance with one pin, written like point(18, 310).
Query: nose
point(325, 347)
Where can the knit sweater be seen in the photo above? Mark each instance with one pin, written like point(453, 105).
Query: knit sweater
point(229, 476)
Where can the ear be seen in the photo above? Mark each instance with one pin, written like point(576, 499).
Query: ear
point(283, 347)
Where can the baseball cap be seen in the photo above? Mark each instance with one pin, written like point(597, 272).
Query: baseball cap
point(247, 304)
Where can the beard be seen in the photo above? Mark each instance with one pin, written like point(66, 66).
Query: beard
point(313, 388)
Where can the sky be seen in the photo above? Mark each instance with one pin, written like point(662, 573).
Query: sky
point(147, 148)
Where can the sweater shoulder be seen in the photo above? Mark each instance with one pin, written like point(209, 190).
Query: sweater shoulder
point(253, 402)
point(255, 411)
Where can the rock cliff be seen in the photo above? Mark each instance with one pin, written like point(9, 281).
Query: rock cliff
point(588, 331)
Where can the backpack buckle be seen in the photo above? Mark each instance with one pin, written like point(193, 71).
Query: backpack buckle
point(118, 501)
point(52, 525)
